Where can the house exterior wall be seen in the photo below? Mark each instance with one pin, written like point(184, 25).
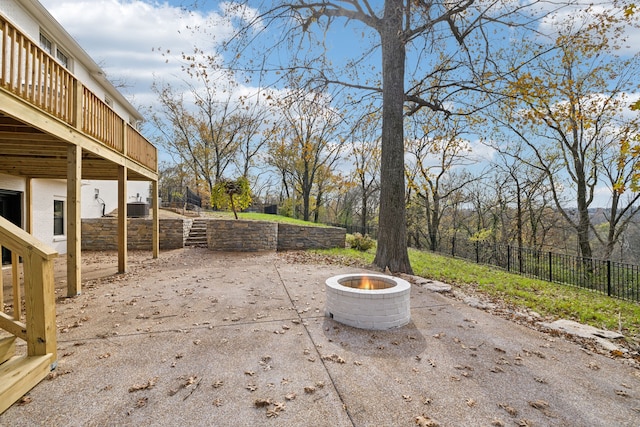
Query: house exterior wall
point(45, 191)
point(107, 192)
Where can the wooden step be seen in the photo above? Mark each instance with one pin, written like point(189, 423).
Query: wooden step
point(7, 348)
point(19, 375)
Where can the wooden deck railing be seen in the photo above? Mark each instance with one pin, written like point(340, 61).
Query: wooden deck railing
point(37, 77)
point(37, 325)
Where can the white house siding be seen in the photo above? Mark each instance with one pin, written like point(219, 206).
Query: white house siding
point(45, 191)
point(108, 194)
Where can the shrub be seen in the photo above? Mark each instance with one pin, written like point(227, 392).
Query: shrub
point(360, 242)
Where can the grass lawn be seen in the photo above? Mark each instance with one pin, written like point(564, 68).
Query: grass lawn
point(518, 292)
point(254, 216)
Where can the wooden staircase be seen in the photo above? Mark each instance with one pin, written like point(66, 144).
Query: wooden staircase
point(198, 234)
point(20, 373)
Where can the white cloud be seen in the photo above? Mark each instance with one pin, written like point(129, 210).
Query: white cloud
point(127, 37)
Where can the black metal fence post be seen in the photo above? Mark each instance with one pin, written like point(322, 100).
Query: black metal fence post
point(550, 267)
point(609, 277)
point(508, 257)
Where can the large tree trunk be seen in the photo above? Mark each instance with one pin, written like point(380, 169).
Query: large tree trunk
point(392, 237)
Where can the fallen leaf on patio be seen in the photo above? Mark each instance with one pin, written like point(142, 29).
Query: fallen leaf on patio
point(319, 384)
point(104, 356)
point(196, 342)
point(142, 402)
point(510, 410)
point(497, 423)
point(539, 404)
point(251, 387)
point(432, 362)
point(540, 380)
point(146, 386)
point(272, 413)
point(357, 363)
point(407, 398)
point(290, 396)
point(593, 365)
point(622, 393)
point(427, 401)
point(249, 373)
point(333, 358)
point(525, 423)
point(25, 400)
point(261, 403)
point(218, 384)
point(309, 389)
point(470, 403)
point(424, 421)
point(217, 402)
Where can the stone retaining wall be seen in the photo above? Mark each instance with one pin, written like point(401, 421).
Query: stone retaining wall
point(101, 234)
point(242, 236)
point(222, 235)
point(296, 237)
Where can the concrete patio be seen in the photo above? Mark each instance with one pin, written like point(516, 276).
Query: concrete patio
point(199, 338)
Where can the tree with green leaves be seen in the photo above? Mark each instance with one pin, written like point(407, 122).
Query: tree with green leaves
point(231, 194)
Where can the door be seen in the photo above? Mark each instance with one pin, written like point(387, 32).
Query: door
point(11, 209)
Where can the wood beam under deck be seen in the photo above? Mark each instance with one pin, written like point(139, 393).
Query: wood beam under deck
point(43, 140)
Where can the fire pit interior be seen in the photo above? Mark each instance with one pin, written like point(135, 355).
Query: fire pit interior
point(368, 301)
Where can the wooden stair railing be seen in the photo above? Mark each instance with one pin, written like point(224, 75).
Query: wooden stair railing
point(20, 373)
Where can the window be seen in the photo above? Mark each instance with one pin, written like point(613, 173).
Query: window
point(45, 44)
point(64, 59)
point(48, 46)
point(58, 218)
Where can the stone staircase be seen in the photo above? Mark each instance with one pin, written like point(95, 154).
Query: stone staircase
point(198, 233)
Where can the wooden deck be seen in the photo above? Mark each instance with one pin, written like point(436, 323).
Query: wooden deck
point(53, 127)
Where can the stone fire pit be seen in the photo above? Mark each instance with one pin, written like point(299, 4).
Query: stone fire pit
point(368, 301)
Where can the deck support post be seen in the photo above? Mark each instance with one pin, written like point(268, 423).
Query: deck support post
point(155, 219)
point(74, 177)
point(122, 219)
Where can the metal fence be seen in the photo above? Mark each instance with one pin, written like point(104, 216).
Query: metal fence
point(611, 278)
point(615, 279)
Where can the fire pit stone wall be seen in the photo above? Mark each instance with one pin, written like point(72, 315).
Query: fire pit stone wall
point(377, 309)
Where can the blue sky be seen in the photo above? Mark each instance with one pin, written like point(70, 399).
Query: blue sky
point(126, 38)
